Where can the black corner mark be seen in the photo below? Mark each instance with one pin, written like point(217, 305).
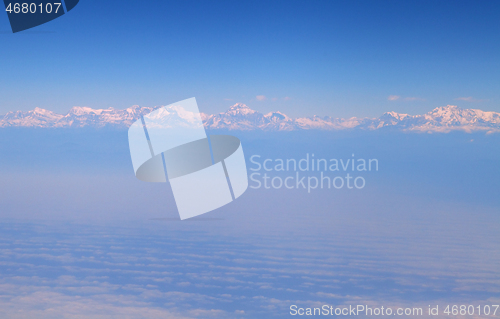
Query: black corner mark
point(26, 14)
point(70, 4)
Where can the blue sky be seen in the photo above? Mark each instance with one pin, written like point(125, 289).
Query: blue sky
point(338, 58)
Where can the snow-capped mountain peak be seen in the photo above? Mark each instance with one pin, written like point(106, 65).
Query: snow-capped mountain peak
point(241, 117)
point(79, 110)
point(239, 109)
point(277, 117)
point(393, 115)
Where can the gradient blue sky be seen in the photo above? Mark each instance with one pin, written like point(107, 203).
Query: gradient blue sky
point(338, 58)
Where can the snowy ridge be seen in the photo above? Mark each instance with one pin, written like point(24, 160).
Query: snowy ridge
point(76, 117)
point(241, 117)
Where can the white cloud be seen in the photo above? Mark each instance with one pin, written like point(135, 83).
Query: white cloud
point(409, 98)
point(260, 97)
point(470, 99)
point(46, 304)
point(158, 274)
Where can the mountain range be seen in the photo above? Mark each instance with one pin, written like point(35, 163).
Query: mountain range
point(241, 117)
